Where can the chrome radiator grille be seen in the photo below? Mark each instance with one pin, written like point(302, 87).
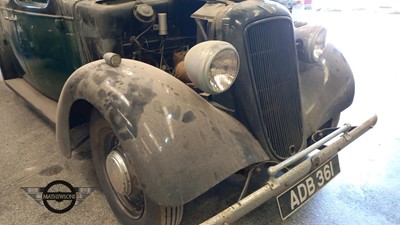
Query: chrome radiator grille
point(273, 67)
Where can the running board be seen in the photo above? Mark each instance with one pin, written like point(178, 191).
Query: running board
point(43, 105)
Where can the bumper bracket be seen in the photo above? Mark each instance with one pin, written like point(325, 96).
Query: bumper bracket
point(275, 186)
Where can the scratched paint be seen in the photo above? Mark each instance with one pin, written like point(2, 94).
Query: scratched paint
point(160, 130)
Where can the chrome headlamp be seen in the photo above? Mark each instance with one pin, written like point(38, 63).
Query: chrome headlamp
point(311, 42)
point(212, 66)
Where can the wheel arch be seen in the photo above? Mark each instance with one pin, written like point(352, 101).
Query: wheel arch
point(180, 144)
point(78, 124)
point(327, 88)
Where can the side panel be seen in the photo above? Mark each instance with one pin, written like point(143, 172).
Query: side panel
point(10, 65)
point(179, 144)
point(327, 88)
point(46, 44)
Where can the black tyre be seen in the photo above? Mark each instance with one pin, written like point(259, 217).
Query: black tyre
point(123, 192)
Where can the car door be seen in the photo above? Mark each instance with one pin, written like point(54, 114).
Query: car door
point(46, 43)
point(13, 66)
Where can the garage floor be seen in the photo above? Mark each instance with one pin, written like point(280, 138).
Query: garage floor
point(365, 192)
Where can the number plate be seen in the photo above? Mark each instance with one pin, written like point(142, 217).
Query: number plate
point(296, 196)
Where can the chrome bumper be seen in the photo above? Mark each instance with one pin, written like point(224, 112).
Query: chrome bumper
point(275, 186)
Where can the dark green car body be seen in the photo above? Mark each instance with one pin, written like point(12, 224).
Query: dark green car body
point(46, 62)
point(51, 51)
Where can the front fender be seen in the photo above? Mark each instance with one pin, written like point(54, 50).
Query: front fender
point(179, 144)
point(327, 88)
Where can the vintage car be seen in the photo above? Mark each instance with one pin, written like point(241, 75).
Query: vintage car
point(178, 95)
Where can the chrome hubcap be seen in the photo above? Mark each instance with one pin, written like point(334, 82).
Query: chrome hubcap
point(118, 173)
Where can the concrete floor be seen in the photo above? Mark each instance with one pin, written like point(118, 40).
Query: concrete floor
point(365, 192)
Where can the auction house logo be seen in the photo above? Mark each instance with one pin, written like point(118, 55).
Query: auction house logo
point(58, 196)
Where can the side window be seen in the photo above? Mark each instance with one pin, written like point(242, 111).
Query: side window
point(32, 3)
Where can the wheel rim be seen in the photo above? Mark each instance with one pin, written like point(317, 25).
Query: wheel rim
point(124, 181)
point(118, 173)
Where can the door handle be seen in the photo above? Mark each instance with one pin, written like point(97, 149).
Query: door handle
point(12, 18)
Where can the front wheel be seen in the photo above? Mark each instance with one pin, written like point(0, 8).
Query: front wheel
point(120, 183)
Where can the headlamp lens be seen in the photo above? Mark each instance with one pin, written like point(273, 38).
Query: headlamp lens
point(223, 70)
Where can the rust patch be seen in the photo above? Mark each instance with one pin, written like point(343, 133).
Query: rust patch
point(188, 117)
point(138, 97)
